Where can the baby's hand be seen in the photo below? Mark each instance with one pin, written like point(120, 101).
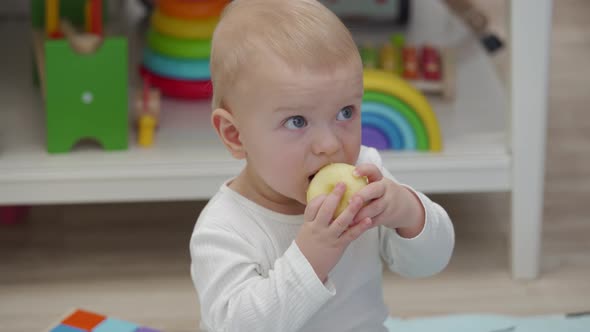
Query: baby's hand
point(389, 203)
point(323, 241)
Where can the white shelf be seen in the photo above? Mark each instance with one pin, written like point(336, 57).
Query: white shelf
point(189, 162)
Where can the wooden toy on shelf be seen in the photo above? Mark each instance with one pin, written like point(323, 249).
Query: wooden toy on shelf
point(429, 69)
point(395, 115)
point(147, 113)
point(83, 76)
point(430, 63)
point(411, 63)
point(388, 58)
point(438, 72)
point(397, 41)
point(369, 56)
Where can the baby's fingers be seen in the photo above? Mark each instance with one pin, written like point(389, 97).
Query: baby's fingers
point(355, 231)
point(371, 192)
point(311, 210)
point(371, 171)
point(343, 221)
point(372, 210)
point(328, 207)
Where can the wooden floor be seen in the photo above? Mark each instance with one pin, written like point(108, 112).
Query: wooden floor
point(131, 260)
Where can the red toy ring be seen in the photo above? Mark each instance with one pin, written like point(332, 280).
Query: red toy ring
point(178, 88)
point(190, 9)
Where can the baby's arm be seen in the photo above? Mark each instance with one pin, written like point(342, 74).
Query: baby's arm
point(233, 294)
point(427, 253)
point(429, 248)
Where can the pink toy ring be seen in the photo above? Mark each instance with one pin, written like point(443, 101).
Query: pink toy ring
point(178, 88)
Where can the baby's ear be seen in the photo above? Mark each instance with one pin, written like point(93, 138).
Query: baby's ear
point(224, 123)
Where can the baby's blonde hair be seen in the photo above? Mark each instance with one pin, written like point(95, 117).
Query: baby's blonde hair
point(302, 33)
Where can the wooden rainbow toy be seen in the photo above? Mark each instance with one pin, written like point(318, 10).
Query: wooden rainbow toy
point(397, 116)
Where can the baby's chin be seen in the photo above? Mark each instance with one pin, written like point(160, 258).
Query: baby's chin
point(301, 198)
point(298, 198)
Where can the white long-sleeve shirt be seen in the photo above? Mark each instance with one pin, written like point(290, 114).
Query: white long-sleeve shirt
point(251, 276)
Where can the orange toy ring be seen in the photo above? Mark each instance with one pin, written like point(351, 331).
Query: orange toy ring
point(191, 9)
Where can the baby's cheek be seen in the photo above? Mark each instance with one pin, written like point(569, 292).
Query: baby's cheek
point(277, 169)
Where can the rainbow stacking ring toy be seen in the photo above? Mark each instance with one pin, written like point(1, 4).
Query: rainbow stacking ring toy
point(392, 134)
point(386, 114)
point(376, 137)
point(192, 10)
point(394, 115)
point(394, 105)
point(176, 68)
point(178, 48)
point(172, 26)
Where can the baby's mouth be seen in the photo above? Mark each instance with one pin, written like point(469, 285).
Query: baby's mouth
point(309, 178)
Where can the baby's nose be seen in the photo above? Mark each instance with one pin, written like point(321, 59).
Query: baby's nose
point(326, 142)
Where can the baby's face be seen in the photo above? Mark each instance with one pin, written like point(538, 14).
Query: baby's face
point(292, 123)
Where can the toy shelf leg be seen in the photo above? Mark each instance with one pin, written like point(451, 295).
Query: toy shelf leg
point(530, 23)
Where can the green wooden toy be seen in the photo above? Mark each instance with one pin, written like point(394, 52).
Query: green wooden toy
point(86, 95)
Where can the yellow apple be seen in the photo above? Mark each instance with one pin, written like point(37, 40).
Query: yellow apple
point(326, 179)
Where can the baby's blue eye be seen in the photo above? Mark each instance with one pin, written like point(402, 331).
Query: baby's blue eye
point(345, 113)
point(295, 122)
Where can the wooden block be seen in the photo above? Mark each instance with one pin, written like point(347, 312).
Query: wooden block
point(83, 319)
point(78, 320)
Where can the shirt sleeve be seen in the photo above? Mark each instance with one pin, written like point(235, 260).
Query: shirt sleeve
point(430, 251)
point(234, 296)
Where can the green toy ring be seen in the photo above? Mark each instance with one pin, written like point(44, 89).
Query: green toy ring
point(197, 49)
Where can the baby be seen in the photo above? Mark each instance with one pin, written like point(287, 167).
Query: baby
point(287, 92)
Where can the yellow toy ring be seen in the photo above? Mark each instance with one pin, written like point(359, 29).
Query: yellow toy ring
point(375, 80)
point(202, 29)
point(192, 10)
